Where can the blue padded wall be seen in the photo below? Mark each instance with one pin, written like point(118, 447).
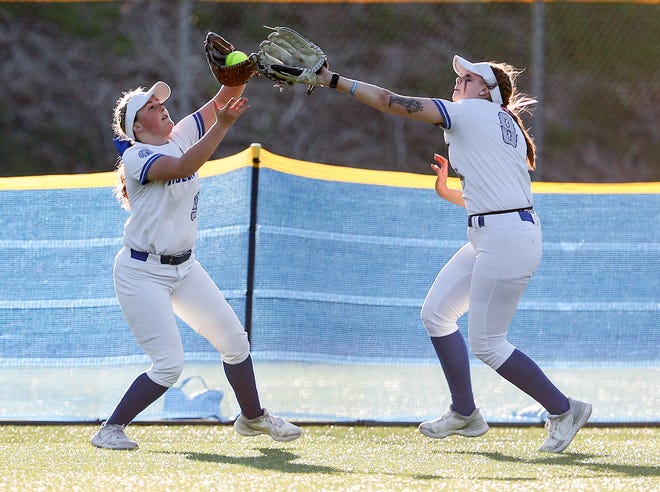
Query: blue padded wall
point(342, 270)
point(57, 300)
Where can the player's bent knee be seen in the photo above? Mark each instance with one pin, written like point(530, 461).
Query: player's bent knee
point(493, 356)
point(231, 345)
point(235, 357)
point(436, 325)
point(166, 374)
point(488, 358)
point(426, 315)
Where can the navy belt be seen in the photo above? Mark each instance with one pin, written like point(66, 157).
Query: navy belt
point(164, 259)
point(525, 214)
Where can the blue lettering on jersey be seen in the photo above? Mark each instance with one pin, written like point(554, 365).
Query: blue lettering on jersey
point(508, 127)
point(180, 180)
point(193, 214)
point(142, 153)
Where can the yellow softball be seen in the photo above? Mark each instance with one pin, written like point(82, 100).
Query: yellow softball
point(235, 57)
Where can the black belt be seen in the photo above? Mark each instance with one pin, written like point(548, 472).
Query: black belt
point(164, 259)
point(525, 214)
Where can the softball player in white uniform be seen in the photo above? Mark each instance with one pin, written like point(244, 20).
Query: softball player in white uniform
point(156, 274)
point(491, 152)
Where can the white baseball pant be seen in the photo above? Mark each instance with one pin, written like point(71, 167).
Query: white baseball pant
point(151, 294)
point(487, 276)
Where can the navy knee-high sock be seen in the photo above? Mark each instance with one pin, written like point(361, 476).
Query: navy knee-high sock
point(526, 375)
point(453, 355)
point(241, 379)
point(142, 393)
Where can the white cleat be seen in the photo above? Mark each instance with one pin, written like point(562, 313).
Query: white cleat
point(276, 427)
point(454, 423)
point(112, 436)
point(562, 428)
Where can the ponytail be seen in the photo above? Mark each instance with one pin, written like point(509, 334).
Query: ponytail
point(515, 103)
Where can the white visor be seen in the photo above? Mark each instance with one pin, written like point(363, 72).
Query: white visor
point(483, 69)
point(160, 89)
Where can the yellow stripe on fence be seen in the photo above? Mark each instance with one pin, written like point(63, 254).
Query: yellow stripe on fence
point(255, 155)
point(58, 181)
point(408, 180)
point(330, 172)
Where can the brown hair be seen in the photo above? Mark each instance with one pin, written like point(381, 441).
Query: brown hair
point(515, 103)
point(120, 188)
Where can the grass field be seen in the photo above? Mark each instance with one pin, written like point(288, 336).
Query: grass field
point(332, 458)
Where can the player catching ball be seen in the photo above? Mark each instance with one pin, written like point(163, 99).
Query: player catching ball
point(491, 152)
point(156, 274)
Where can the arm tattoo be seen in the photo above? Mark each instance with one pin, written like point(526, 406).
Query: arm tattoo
point(408, 103)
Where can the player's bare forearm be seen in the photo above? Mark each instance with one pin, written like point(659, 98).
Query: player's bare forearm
point(452, 196)
point(441, 169)
point(449, 194)
point(225, 116)
point(167, 167)
point(226, 93)
point(221, 97)
point(384, 100)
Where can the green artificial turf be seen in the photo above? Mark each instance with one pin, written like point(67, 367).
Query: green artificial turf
point(350, 458)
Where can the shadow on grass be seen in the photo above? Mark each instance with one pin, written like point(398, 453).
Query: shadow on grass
point(572, 459)
point(270, 459)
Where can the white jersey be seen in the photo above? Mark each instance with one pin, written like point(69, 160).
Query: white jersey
point(163, 216)
point(487, 150)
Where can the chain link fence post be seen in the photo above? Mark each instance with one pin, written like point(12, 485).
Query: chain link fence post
point(538, 65)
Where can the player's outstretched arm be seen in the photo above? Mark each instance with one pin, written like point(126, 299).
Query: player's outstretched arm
point(168, 167)
point(416, 108)
point(221, 97)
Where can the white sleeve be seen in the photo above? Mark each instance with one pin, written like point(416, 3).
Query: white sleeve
point(188, 131)
point(139, 158)
point(450, 111)
point(137, 162)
